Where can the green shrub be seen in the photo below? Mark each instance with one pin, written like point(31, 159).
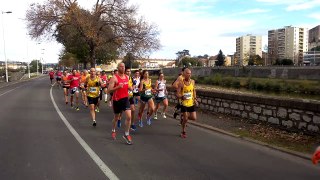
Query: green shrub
point(235, 83)
point(217, 79)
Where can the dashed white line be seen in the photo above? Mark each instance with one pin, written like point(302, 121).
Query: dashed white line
point(104, 168)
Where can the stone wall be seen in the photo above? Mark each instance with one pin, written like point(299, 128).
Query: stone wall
point(290, 72)
point(296, 115)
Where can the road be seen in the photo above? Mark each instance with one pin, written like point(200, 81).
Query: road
point(37, 142)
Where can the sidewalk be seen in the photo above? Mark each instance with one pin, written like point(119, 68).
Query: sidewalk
point(233, 126)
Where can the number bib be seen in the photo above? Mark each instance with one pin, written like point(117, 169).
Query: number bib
point(187, 96)
point(93, 89)
point(148, 92)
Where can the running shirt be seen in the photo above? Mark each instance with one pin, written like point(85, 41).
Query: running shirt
point(51, 74)
point(136, 82)
point(161, 85)
point(64, 80)
point(104, 79)
point(130, 85)
point(187, 92)
point(59, 74)
point(83, 80)
point(93, 88)
point(123, 92)
point(147, 89)
point(75, 81)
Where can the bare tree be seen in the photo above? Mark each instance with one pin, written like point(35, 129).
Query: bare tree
point(110, 25)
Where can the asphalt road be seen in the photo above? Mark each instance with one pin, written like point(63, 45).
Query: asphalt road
point(36, 142)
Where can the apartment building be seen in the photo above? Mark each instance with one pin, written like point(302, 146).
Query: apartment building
point(246, 46)
point(287, 43)
point(314, 37)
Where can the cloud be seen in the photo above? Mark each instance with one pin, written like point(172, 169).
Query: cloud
point(315, 16)
point(255, 11)
point(303, 5)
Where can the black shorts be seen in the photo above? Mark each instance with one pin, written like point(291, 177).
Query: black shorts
point(93, 100)
point(58, 79)
point(159, 99)
point(188, 109)
point(100, 95)
point(131, 100)
point(67, 87)
point(136, 94)
point(121, 105)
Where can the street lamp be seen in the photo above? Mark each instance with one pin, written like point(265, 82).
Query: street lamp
point(42, 61)
point(4, 44)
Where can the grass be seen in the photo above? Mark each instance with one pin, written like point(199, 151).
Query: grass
point(280, 138)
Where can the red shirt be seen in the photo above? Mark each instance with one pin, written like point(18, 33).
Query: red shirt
point(123, 92)
point(104, 80)
point(75, 80)
point(51, 74)
point(59, 74)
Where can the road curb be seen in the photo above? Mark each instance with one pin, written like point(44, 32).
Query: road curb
point(208, 127)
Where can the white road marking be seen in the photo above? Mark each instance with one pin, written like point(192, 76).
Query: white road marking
point(11, 90)
point(104, 168)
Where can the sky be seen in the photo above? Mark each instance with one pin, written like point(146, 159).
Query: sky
point(200, 26)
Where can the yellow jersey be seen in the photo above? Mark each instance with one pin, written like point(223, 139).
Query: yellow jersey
point(93, 88)
point(188, 94)
point(130, 84)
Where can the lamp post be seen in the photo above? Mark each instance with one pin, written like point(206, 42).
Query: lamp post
point(42, 60)
point(4, 44)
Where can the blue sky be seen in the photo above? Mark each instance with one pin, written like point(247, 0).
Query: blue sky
point(201, 26)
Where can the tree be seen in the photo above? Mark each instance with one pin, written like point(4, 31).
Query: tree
point(316, 48)
point(181, 55)
point(33, 66)
point(68, 60)
point(286, 62)
point(189, 61)
point(220, 59)
point(255, 60)
point(111, 28)
point(129, 61)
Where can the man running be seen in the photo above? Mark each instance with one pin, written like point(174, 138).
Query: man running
point(119, 85)
point(58, 78)
point(104, 79)
point(65, 85)
point(175, 85)
point(136, 82)
point(93, 83)
point(74, 81)
point(51, 75)
point(187, 93)
point(83, 80)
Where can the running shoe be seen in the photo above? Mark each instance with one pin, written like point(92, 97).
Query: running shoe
point(113, 135)
point(119, 123)
point(155, 116)
point(97, 109)
point(77, 108)
point(149, 121)
point(164, 115)
point(67, 102)
point(133, 127)
point(140, 123)
point(128, 139)
point(94, 124)
point(183, 135)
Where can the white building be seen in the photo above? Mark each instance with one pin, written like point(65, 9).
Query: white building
point(287, 43)
point(246, 46)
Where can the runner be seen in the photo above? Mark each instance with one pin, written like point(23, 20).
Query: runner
point(175, 85)
point(119, 85)
point(51, 75)
point(187, 93)
point(93, 83)
point(83, 80)
point(65, 86)
point(97, 109)
point(161, 89)
point(145, 90)
point(136, 82)
point(131, 100)
point(104, 79)
point(110, 95)
point(74, 81)
point(58, 78)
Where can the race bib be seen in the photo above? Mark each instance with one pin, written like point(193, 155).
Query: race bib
point(135, 91)
point(148, 92)
point(187, 95)
point(82, 84)
point(92, 89)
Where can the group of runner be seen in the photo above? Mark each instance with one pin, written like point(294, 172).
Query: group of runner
point(125, 92)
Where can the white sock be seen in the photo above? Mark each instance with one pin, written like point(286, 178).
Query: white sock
point(126, 133)
point(113, 130)
point(105, 97)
